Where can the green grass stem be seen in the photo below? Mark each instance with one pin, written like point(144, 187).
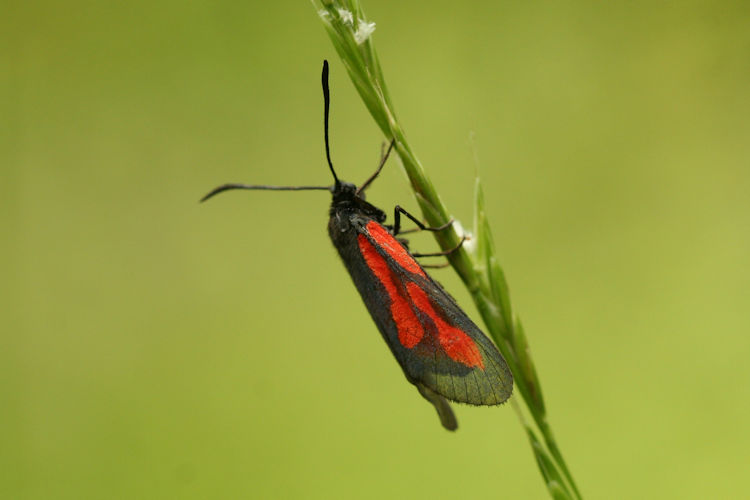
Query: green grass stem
point(476, 263)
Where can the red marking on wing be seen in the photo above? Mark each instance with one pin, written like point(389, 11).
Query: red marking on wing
point(394, 249)
point(454, 341)
point(410, 330)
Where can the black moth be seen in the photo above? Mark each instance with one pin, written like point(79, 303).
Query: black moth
point(441, 351)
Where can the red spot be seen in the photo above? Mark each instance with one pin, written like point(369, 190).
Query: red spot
point(456, 344)
point(454, 341)
point(393, 248)
point(410, 330)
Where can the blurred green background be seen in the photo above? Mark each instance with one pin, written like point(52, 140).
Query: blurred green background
point(153, 347)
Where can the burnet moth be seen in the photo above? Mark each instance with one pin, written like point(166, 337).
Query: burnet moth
point(442, 352)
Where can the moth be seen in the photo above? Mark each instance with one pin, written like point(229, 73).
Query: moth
point(441, 351)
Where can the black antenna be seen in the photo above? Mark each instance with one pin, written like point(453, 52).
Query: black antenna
point(227, 187)
point(326, 106)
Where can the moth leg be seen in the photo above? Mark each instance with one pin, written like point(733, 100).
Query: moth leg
point(383, 157)
point(438, 254)
point(397, 211)
point(435, 266)
point(416, 229)
point(444, 411)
